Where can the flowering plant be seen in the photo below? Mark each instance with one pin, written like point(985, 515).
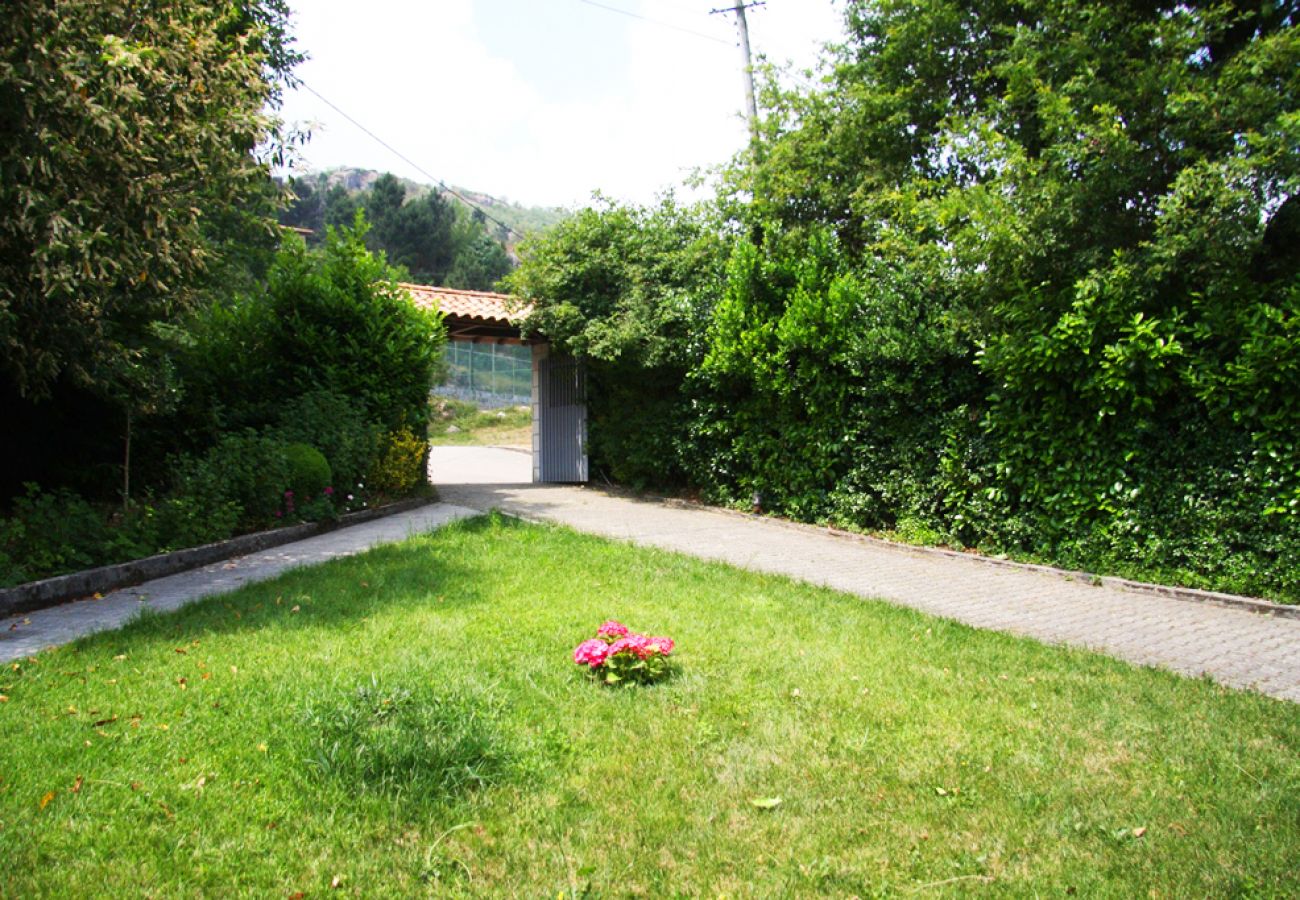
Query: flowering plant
point(616, 655)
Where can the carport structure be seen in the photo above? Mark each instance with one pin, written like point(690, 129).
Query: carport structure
point(558, 393)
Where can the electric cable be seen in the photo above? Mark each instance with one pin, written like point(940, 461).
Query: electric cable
point(410, 162)
point(659, 22)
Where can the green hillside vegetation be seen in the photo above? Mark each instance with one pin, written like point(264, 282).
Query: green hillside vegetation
point(428, 232)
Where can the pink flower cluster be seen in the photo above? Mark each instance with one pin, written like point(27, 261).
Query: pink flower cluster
point(614, 638)
point(591, 653)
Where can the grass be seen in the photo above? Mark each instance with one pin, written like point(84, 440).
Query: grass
point(455, 422)
point(408, 722)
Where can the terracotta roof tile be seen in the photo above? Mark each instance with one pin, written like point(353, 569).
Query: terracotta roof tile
point(482, 305)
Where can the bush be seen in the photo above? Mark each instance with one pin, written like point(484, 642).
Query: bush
point(336, 426)
point(329, 352)
point(182, 522)
point(309, 473)
point(402, 466)
point(246, 469)
point(338, 322)
point(50, 533)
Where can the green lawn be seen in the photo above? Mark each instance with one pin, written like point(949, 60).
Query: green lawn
point(409, 721)
point(511, 426)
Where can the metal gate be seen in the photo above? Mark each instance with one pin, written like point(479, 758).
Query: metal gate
point(562, 420)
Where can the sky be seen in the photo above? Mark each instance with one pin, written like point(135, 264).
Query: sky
point(538, 101)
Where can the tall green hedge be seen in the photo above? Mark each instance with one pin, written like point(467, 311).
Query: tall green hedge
point(1022, 277)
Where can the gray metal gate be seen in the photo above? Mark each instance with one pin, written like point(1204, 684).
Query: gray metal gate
point(562, 420)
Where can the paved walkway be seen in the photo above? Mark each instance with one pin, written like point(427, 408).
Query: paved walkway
point(1233, 646)
point(25, 634)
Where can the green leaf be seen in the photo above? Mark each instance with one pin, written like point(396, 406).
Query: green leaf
point(765, 802)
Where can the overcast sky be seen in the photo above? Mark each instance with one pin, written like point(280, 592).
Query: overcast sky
point(538, 101)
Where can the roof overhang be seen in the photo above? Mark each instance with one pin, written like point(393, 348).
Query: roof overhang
point(473, 315)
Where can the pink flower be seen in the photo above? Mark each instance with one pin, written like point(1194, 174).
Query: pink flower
point(591, 653)
point(621, 645)
point(662, 645)
point(633, 643)
point(611, 629)
point(329, 492)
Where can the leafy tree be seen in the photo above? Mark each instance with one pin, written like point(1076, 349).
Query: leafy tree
point(1020, 275)
point(479, 265)
point(339, 212)
point(1100, 189)
point(629, 290)
point(429, 236)
point(327, 320)
point(125, 129)
point(424, 235)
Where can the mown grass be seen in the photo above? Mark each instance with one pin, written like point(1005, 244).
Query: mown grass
point(409, 722)
point(507, 427)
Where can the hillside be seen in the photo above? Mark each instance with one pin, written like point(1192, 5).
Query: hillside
point(523, 220)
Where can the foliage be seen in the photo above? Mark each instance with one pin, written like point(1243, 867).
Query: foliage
point(428, 235)
point(1023, 278)
point(308, 471)
point(330, 335)
point(335, 320)
point(178, 522)
point(479, 265)
point(54, 532)
point(336, 425)
point(246, 469)
point(127, 134)
point(401, 466)
point(330, 354)
point(49, 532)
point(629, 290)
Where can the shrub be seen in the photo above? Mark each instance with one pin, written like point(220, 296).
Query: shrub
point(402, 465)
point(246, 469)
point(617, 655)
point(52, 532)
point(181, 522)
point(336, 425)
point(337, 321)
point(49, 533)
point(309, 474)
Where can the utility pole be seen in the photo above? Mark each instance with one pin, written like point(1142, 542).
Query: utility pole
point(751, 106)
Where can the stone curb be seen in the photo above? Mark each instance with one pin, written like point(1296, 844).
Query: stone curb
point(61, 588)
point(1195, 595)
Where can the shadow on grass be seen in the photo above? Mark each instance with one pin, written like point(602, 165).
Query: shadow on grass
point(336, 594)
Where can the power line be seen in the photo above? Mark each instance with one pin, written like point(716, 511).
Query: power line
point(659, 22)
point(410, 162)
point(677, 4)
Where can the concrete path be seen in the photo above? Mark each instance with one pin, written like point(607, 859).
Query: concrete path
point(26, 634)
point(1233, 646)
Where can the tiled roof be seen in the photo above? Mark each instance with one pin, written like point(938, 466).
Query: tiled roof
point(481, 305)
